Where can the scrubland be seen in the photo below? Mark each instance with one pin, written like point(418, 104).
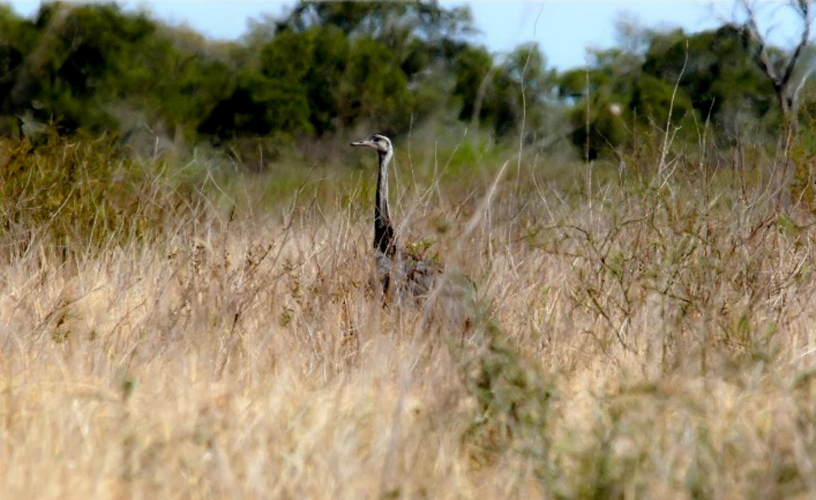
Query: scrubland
point(645, 332)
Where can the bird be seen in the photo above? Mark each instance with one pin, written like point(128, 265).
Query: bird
point(398, 270)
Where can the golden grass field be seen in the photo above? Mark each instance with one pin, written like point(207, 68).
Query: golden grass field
point(649, 337)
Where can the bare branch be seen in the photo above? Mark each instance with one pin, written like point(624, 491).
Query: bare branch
point(760, 53)
point(782, 83)
point(802, 82)
point(803, 9)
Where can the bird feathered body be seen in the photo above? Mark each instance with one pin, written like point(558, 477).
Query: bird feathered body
point(405, 274)
point(397, 271)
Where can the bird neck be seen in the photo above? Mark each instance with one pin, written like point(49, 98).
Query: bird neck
point(383, 230)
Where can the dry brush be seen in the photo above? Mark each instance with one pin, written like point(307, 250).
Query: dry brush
point(628, 340)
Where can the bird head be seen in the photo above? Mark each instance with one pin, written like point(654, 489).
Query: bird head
point(379, 143)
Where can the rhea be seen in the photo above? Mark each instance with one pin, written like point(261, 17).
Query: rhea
point(397, 270)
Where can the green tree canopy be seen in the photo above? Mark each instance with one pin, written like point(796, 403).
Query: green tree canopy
point(325, 67)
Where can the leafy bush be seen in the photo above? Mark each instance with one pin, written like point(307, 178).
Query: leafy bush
point(82, 194)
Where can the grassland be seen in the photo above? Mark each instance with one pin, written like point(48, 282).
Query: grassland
point(643, 334)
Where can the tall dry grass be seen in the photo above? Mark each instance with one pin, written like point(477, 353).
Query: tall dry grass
point(631, 338)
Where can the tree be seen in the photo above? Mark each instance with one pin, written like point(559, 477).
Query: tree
point(472, 66)
point(780, 67)
point(273, 98)
point(602, 97)
point(373, 90)
point(719, 77)
point(17, 37)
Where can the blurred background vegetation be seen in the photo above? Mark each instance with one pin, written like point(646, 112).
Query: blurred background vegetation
point(329, 70)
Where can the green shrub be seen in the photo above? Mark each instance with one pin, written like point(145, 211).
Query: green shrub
point(81, 194)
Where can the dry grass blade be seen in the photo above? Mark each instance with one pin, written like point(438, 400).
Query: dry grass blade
point(630, 342)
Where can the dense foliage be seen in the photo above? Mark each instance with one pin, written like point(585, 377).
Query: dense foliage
point(329, 67)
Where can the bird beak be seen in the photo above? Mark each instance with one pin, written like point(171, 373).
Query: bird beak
point(365, 144)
